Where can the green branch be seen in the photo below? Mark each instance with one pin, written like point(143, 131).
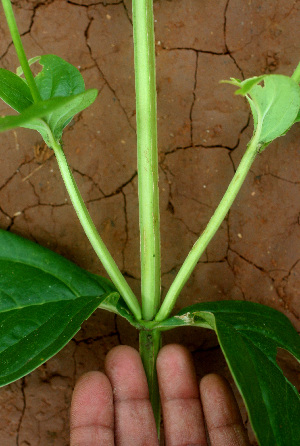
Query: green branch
point(11, 21)
point(92, 233)
point(210, 230)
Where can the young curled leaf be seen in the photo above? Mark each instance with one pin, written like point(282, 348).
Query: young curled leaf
point(274, 100)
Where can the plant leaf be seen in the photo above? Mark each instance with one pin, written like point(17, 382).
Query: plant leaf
point(274, 105)
point(63, 94)
point(44, 299)
point(14, 91)
point(31, 116)
point(249, 335)
point(59, 119)
point(244, 86)
point(58, 78)
point(116, 304)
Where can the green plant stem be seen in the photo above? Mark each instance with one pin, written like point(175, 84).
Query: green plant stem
point(150, 344)
point(296, 74)
point(144, 58)
point(11, 21)
point(210, 230)
point(92, 233)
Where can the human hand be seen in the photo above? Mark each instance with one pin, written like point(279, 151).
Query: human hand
point(114, 409)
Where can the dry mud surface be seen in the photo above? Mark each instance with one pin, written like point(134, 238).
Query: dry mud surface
point(203, 131)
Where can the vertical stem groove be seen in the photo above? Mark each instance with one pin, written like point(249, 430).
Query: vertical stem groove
point(144, 58)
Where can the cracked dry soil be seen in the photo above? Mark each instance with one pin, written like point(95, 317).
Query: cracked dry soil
point(203, 130)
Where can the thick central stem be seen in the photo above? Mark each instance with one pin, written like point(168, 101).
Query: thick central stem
point(144, 59)
point(150, 344)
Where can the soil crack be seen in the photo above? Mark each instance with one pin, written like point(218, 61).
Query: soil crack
point(23, 411)
point(86, 34)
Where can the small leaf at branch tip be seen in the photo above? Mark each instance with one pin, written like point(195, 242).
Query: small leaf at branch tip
point(232, 81)
point(274, 105)
point(62, 90)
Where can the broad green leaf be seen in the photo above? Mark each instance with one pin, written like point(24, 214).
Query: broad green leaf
point(274, 105)
point(249, 335)
point(44, 299)
point(58, 78)
point(59, 119)
point(14, 91)
point(32, 116)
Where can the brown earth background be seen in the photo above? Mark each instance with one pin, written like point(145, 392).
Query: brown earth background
point(203, 130)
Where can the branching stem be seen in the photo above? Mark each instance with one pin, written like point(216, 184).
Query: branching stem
point(11, 21)
point(210, 230)
point(92, 233)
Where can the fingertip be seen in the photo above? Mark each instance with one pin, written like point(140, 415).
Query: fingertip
point(172, 352)
point(212, 381)
point(173, 360)
point(120, 353)
point(216, 390)
point(221, 411)
point(124, 368)
point(91, 394)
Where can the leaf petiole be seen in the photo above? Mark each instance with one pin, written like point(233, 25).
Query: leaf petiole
point(11, 21)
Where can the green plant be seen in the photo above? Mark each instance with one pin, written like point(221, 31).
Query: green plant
point(38, 317)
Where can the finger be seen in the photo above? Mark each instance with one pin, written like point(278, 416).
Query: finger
point(92, 415)
point(179, 391)
point(222, 415)
point(134, 420)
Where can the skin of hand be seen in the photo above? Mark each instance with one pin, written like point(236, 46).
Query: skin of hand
point(114, 408)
